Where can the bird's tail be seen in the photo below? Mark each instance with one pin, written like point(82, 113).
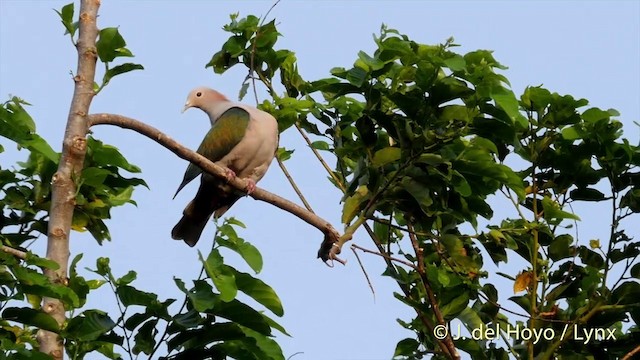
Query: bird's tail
point(189, 228)
point(210, 198)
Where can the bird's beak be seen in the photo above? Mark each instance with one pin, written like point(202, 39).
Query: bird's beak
point(186, 106)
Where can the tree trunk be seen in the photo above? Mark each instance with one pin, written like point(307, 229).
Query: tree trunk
point(69, 168)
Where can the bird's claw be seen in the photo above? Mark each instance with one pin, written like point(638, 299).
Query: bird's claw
point(229, 174)
point(251, 186)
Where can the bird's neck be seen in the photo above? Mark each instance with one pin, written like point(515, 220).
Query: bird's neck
point(215, 109)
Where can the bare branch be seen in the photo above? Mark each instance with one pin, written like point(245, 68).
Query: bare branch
point(295, 187)
point(364, 271)
point(15, 252)
point(331, 235)
point(631, 353)
point(63, 188)
point(384, 255)
point(448, 341)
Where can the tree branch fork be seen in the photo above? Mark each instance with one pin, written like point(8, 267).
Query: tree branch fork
point(328, 249)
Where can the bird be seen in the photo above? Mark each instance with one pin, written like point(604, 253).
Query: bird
point(243, 140)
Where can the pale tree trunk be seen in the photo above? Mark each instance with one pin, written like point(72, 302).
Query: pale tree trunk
point(63, 182)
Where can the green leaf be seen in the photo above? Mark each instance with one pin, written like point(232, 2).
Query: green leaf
point(587, 194)
point(536, 98)
point(104, 155)
point(243, 89)
point(635, 271)
point(406, 347)
point(31, 317)
point(357, 76)
point(207, 335)
point(249, 253)
point(89, 325)
point(455, 306)
point(626, 293)
point(145, 338)
point(188, 320)
point(283, 154)
point(266, 36)
point(269, 347)
point(242, 314)
point(122, 197)
point(222, 275)
point(455, 63)
point(553, 212)
point(419, 192)
point(595, 114)
point(591, 258)
point(132, 296)
point(103, 267)
point(259, 291)
point(570, 133)
point(66, 16)
point(506, 100)
point(201, 296)
point(44, 263)
point(320, 145)
point(118, 70)
point(372, 63)
point(127, 278)
point(111, 44)
point(385, 156)
point(470, 319)
point(561, 248)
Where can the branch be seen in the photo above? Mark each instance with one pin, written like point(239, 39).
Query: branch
point(448, 340)
point(631, 353)
point(63, 188)
point(331, 235)
point(15, 252)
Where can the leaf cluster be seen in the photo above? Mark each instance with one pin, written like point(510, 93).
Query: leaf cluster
point(422, 137)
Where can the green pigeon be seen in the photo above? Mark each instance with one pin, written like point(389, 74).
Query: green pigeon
point(243, 140)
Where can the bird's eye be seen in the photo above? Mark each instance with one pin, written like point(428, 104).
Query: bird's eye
point(198, 94)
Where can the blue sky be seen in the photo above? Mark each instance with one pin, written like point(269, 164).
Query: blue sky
point(590, 49)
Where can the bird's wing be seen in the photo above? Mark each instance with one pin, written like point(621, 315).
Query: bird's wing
point(226, 132)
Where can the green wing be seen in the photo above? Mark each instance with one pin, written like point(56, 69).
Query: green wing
point(223, 136)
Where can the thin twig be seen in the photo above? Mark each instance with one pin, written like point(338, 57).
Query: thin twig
point(320, 158)
point(294, 185)
point(390, 224)
point(386, 256)
point(373, 292)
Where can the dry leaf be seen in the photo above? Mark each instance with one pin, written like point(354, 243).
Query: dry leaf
point(523, 281)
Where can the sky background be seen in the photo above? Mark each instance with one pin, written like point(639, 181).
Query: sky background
point(589, 49)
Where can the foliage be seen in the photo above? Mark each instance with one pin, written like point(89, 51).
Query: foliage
point(422, 137)
point(211, 322)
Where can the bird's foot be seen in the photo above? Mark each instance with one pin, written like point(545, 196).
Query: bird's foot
point(229, 174)
point(251, 186)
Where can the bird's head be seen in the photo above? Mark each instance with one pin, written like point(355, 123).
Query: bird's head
point(203, 97)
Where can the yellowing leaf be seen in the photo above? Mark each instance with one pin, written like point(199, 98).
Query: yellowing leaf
point(352, 205)
point(497, 235)
point(385, 156)
point(594, 244)
point(523, 281)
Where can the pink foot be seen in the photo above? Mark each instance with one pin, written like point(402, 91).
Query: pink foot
point(251, 186)
point(229, 174)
